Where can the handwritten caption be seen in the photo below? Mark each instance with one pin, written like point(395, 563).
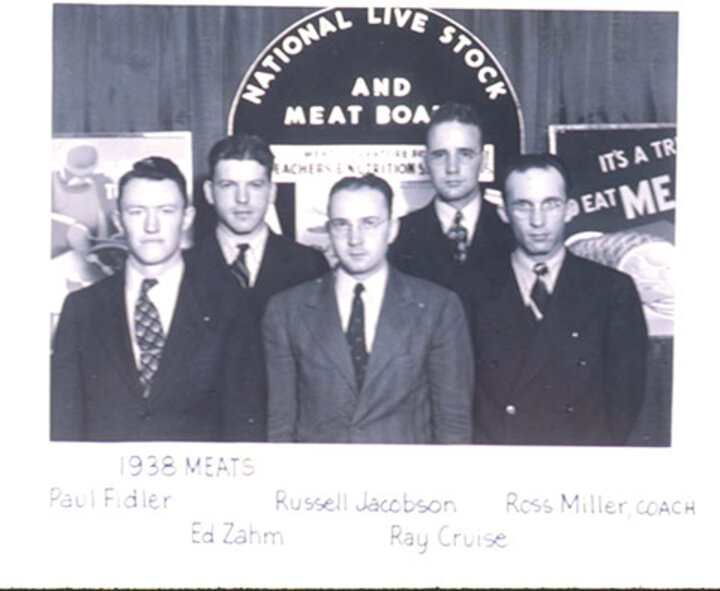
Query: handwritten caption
point(402, 521)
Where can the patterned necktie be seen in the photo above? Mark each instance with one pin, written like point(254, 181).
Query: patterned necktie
point(458, 234)
point(539, 293)
point(356, 336)
point(238, 267)
point(148, 334)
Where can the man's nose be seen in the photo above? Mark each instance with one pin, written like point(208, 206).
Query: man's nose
point(241, 194)
point(152, 223)
point(355, 235)
point(451, 163)
point(537, 217)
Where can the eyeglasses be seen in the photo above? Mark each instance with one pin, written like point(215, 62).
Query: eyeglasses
point(464, 156)
point(526, 208)
point(341, 227)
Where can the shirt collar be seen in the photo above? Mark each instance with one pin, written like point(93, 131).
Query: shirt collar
point(446, 214)
point(524, 265)
point(229, 242)
point(170, 276)
point(375, 284)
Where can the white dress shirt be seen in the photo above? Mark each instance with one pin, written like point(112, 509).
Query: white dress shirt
point(253, 255)
point(372, 300)
point(525, 276)
point(163, 296)
point(470, 214)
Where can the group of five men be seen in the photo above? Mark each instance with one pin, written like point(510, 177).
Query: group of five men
point(456, 324)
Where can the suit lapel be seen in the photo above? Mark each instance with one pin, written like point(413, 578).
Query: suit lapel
point(270, 262)
point(391, 326)
point(440, 247)
point(185, 336)
point(504, 320)
point(114, 332)
point(323, 322)
point(567, 307)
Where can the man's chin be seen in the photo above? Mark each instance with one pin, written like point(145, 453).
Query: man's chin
point(454, 194)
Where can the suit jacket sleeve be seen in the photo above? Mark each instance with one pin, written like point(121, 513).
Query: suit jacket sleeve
point(281, 372)
point(451, 375)
point(627, 346)
point(67, 410)
point(244, 411)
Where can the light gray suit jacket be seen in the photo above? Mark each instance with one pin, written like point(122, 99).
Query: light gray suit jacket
point(419, 379)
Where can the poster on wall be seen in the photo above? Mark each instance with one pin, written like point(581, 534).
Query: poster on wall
point(624, 183)
point(86, 243)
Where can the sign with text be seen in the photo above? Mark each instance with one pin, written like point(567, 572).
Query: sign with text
point(371, 77)
point(623, 179)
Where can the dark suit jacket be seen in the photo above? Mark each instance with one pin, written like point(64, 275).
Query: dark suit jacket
point(285, 264)
point(422, 249)
point(95, 390)
point(418, 383)
point(577, 377)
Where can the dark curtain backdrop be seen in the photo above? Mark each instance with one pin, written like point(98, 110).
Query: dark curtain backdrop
point(164, 68)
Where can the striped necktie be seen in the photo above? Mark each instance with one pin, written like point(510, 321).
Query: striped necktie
point(239, 268)
point(539, 293)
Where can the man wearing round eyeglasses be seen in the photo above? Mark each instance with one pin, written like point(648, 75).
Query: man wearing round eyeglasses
point(560, 342)
point(367, 354)
point(457, 231)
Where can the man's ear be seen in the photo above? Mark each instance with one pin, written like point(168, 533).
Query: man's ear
point(572, 209)
point(394, 229)
point(207, 191)
point(482, 161)
point(117, 220)
point(188, 218)
point(273, 192)
point(502, 212)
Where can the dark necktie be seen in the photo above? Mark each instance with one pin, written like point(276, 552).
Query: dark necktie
point(356, 336)
point(148, 334)
point(458, 234)
point(539, 293)
point(238, 267)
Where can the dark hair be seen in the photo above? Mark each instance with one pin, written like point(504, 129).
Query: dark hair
point(452, 111)
point(242, 146)
point(544, 161)
point(154, 168)
point(369, 180)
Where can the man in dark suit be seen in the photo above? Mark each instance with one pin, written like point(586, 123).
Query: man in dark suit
point(560, 342)
point(242, 253)
point(142, 355)
point(457, 229)
point(367, 354)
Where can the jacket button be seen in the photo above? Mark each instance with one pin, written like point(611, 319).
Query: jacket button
point(569, 409)
point(582, 362)
point(510, 409)
point(575, 334)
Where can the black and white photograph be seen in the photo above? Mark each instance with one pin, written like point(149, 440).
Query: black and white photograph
point(527, 325)
point(396, 282)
